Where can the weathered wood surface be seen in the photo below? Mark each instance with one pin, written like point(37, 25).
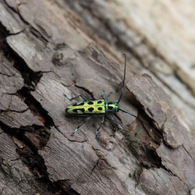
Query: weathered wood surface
point(51, 48)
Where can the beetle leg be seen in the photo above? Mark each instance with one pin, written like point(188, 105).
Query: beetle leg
point(100, 126)
point(80, 125)
point(108, 96)
point(85, 99)
point(102, 95)
point(119, 127)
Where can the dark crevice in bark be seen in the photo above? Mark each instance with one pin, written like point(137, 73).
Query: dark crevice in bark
point(36, 107)
point(4, 49)
point(87, 91)
point(30, 157)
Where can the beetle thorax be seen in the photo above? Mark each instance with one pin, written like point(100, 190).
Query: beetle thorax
point(112, 107)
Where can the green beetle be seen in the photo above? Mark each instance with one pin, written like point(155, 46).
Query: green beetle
point(96, 107)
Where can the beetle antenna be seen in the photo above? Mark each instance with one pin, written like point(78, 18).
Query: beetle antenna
point(123, 80)
point(140, 121)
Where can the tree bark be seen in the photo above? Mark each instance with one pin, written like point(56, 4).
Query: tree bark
point(52, 48)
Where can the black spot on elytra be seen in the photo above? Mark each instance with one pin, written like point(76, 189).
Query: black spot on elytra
point(99, 102)
point(75, 104)
point(99, 108)
point(90, 103)
point(90, 109)
point(81, 104)
point(110, 107)
point(76, 110)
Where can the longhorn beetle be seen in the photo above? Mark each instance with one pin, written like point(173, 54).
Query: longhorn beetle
point(97, 107)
